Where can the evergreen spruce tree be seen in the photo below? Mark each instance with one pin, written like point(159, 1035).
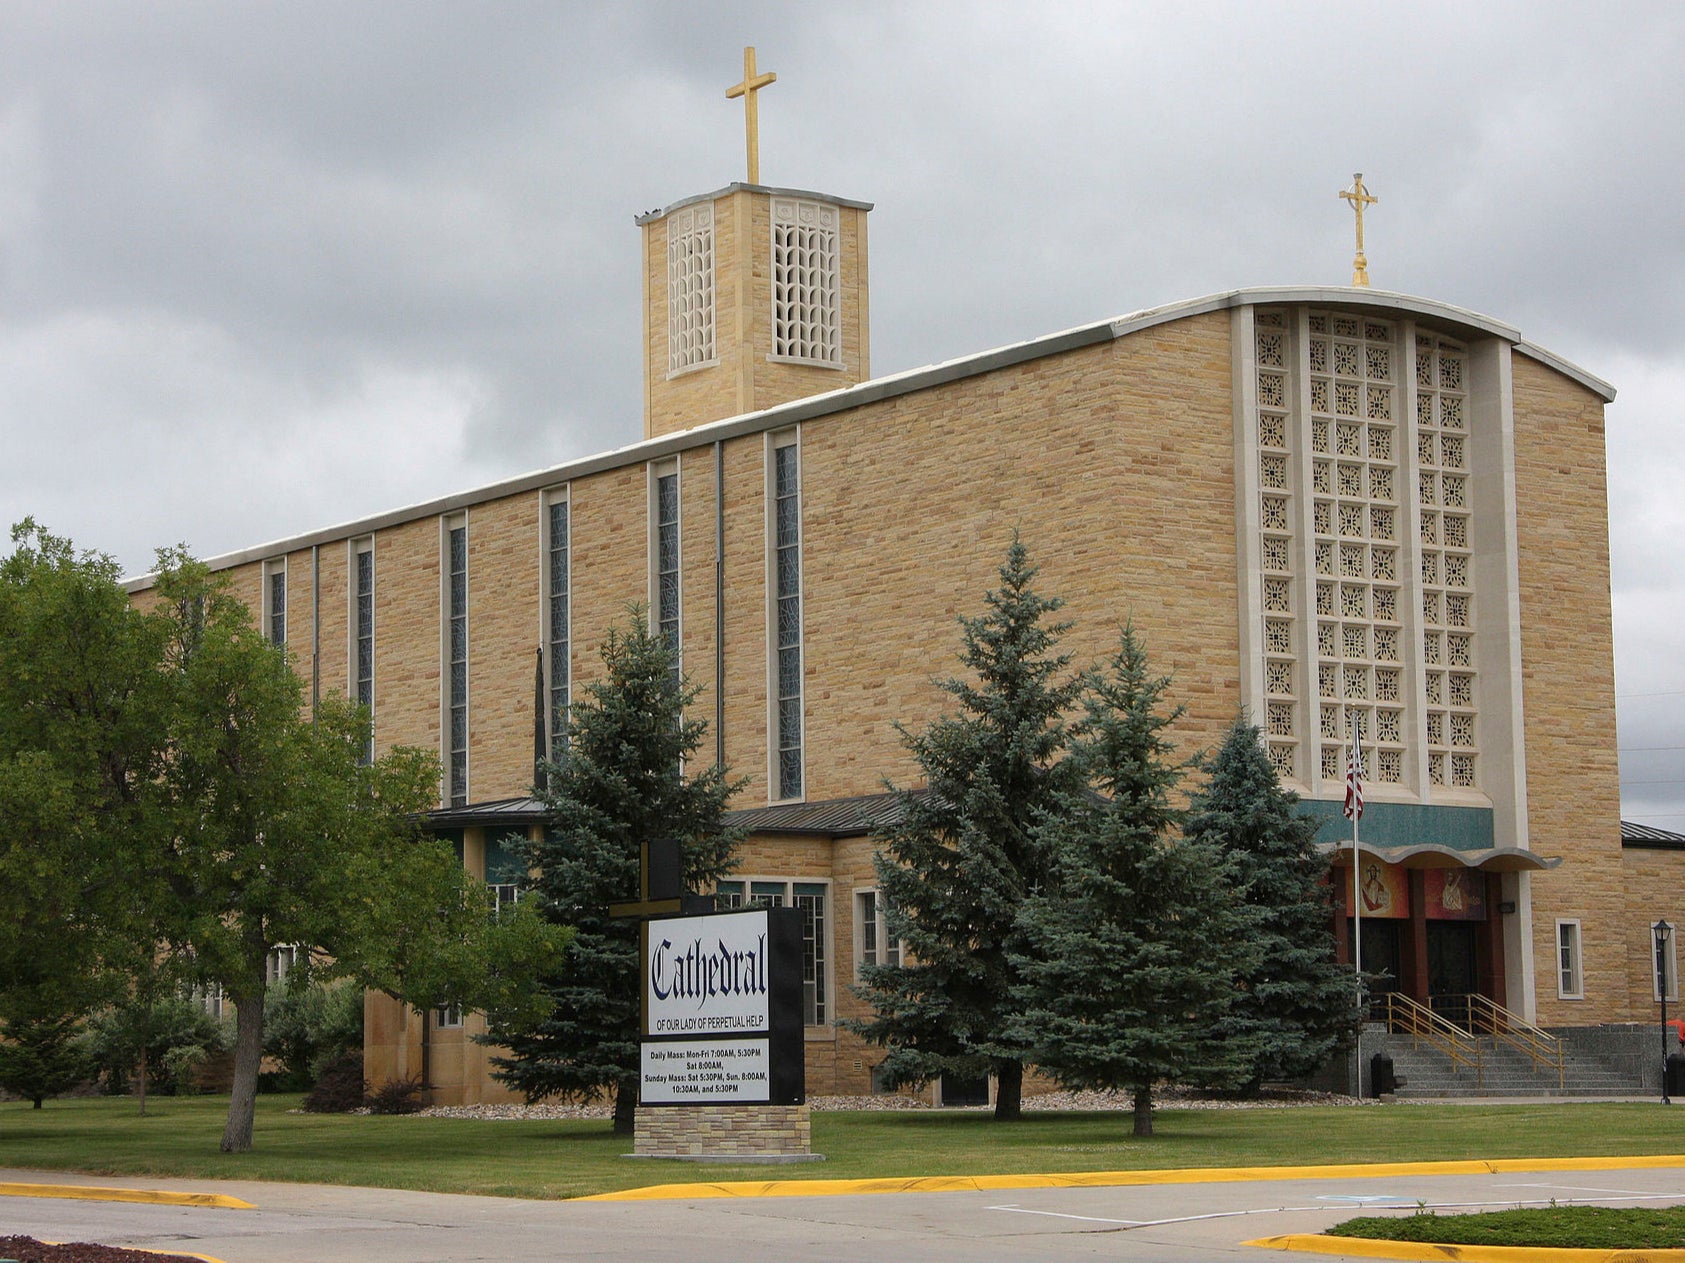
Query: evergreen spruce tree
point(1127, 971)
point(965, 853)
point(40, 1051)
point(619, 782)
point(1295, 1008)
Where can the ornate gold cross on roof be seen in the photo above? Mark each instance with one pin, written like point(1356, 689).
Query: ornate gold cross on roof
point(1359, 197)
point(752, 83)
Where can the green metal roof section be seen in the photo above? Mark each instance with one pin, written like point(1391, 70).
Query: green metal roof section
point(1387, 825)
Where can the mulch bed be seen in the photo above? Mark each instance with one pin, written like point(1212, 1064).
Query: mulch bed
point(29, 1250)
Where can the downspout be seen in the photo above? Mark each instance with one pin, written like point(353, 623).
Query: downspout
point(719, 603)
point(427, 1054)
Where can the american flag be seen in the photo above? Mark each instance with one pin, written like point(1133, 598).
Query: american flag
point(1354, 778)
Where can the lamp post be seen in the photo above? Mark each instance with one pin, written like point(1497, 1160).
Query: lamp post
point(1662, 932)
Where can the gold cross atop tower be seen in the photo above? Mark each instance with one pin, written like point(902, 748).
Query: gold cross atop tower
point(752, 83)
point(1359, 197)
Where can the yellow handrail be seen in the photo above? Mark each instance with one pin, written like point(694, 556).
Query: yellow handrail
point(1545, 1050)
point(1406, 1017)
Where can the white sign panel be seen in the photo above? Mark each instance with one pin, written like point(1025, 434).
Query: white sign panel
point(697, 1071)
point(707, 976)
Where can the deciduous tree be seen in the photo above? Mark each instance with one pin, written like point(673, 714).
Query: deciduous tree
point(174, 811)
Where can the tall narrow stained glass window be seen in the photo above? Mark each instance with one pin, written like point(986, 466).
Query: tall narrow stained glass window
point(275, 600)
point(457, 661)
point(362, 633)
point(667, 565)
point(787, 614)
point(557, 645)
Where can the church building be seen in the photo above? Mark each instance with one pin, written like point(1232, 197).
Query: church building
point(1325, 506)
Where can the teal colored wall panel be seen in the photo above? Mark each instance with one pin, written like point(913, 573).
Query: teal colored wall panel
point(1405, 824)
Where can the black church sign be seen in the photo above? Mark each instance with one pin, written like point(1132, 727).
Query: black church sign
point(722, 1009)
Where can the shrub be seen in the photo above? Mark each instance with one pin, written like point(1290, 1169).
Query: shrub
point(178, 1035)
point(307, 1025)
point(340, 1088)
point(397, 1096)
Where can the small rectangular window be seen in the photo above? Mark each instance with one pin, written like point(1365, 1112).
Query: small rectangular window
point(281, 961)
point(505, 871)
point(810, 898)
point(1568, 962)
point(209, 998)
point(878, 946)
point(447, 1016)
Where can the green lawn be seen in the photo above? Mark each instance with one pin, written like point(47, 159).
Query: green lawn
point(1563, 1227)
point(568, 1159)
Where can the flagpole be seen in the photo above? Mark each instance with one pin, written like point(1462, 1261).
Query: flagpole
point(1357, 868)
point(1354, 809)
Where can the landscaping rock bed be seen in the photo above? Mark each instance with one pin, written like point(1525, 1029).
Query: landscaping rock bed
point(29, 1250)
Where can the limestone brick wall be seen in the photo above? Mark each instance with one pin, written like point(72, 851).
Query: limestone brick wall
point(1128, 507)
point(1655, 891)
point(747, 613)
point(697, 1131)
point(407, 602)
point(336, 599)
point(1568, 685)
point(504, 568)
point(609, 542)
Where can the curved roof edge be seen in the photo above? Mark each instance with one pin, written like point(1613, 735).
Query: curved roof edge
point(1465, 323)
point(1461, 319)
point(1497, 859)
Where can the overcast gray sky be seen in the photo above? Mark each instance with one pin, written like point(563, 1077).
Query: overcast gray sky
point(268, 266)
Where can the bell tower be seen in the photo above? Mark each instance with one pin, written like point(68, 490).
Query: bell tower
point(753, 295)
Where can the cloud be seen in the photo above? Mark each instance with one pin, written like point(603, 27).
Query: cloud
point(269, 266)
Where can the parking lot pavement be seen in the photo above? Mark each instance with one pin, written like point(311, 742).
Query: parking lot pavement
point(301, 1223)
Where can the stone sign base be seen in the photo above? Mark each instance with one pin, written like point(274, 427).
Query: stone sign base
point(725, 1133)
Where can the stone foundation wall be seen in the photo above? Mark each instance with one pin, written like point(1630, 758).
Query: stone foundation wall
point(711, 1131)
point(1634, 1048)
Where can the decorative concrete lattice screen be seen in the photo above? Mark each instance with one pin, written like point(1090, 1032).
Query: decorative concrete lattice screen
point(1335, 452)
point(1442, 477)
point(806, 282)
point(690, 288)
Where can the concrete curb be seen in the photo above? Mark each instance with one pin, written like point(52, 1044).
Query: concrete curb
point(1108, 1179)
point(95, 1193)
